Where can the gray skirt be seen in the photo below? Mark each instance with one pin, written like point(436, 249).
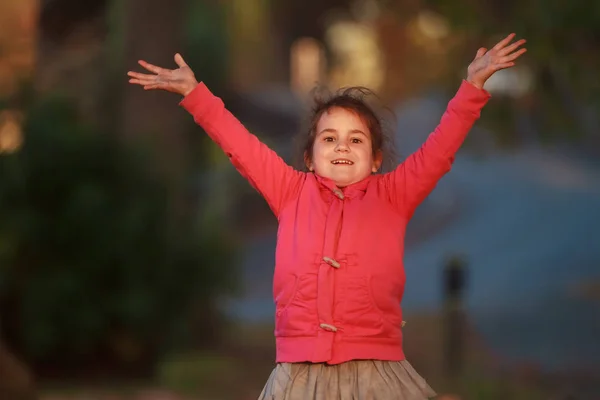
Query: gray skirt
point(352, 380)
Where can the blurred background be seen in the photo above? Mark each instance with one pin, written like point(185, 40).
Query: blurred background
point(136, 264)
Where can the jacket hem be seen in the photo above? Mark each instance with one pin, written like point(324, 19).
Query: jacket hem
point(300, 349)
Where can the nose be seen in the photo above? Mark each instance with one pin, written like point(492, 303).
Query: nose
point(342, 146)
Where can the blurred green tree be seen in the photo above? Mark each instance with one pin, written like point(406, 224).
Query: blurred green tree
point(92, 272)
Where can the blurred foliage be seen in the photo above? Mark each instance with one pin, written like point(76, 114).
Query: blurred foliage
point(206, 51)
point(563, 60)
point(89, 270)
point(206, 41)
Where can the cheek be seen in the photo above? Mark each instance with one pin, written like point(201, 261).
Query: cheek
point(319, 152)
point(367, 155)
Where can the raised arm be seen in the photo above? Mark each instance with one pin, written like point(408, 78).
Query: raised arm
point(412, 181)
point(276, 181)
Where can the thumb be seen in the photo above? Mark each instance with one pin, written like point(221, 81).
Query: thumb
point(480, 53)
point(179, 61)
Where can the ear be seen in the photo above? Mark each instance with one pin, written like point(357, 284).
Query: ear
point(377, 161)
point(308, 162)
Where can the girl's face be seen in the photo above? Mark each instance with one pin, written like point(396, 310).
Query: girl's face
point(342, 150)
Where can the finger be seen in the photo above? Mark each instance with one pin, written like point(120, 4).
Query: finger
point(151, 67)
point(498, 67)
point(179, 61)
point(142, 82)
point(140, 76)
point(501, 44)
point(512, 57)
point(158, 86)
point(512, 47)
point(480, 53)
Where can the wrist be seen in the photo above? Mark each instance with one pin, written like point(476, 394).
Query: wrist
point(189, 88)
point(474, 82)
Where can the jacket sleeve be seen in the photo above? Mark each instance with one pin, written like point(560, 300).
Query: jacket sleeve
point(412, 181)
point(276, 181)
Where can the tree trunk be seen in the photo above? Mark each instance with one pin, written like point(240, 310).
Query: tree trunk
point(70, 52)
point(153, 31)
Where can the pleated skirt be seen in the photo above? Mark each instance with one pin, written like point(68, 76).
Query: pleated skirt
point(352, 380)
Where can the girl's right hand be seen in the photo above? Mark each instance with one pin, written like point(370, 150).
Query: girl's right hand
point(180, 80)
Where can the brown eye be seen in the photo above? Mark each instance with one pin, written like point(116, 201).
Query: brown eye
point(328, 139)
point(356, 140)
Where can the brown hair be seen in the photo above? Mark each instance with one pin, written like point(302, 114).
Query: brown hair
point(354, 99)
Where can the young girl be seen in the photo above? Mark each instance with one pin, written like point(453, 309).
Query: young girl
point(339, 274)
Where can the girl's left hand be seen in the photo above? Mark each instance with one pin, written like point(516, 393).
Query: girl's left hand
point(501, 56)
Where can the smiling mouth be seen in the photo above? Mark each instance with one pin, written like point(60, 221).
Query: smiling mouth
point(342, 162)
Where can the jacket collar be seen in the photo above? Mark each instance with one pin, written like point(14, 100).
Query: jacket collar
point(355, 190)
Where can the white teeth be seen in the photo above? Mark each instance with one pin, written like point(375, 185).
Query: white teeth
point(342, 162)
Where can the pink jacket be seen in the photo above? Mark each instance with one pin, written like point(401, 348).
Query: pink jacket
point(339, 273)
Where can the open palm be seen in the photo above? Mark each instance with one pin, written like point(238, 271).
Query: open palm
point(180, 80)
point(501, 56)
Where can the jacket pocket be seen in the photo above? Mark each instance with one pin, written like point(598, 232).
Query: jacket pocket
point(386, 296)
point(286, 295)
point(298, 315)
point(364, 317)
